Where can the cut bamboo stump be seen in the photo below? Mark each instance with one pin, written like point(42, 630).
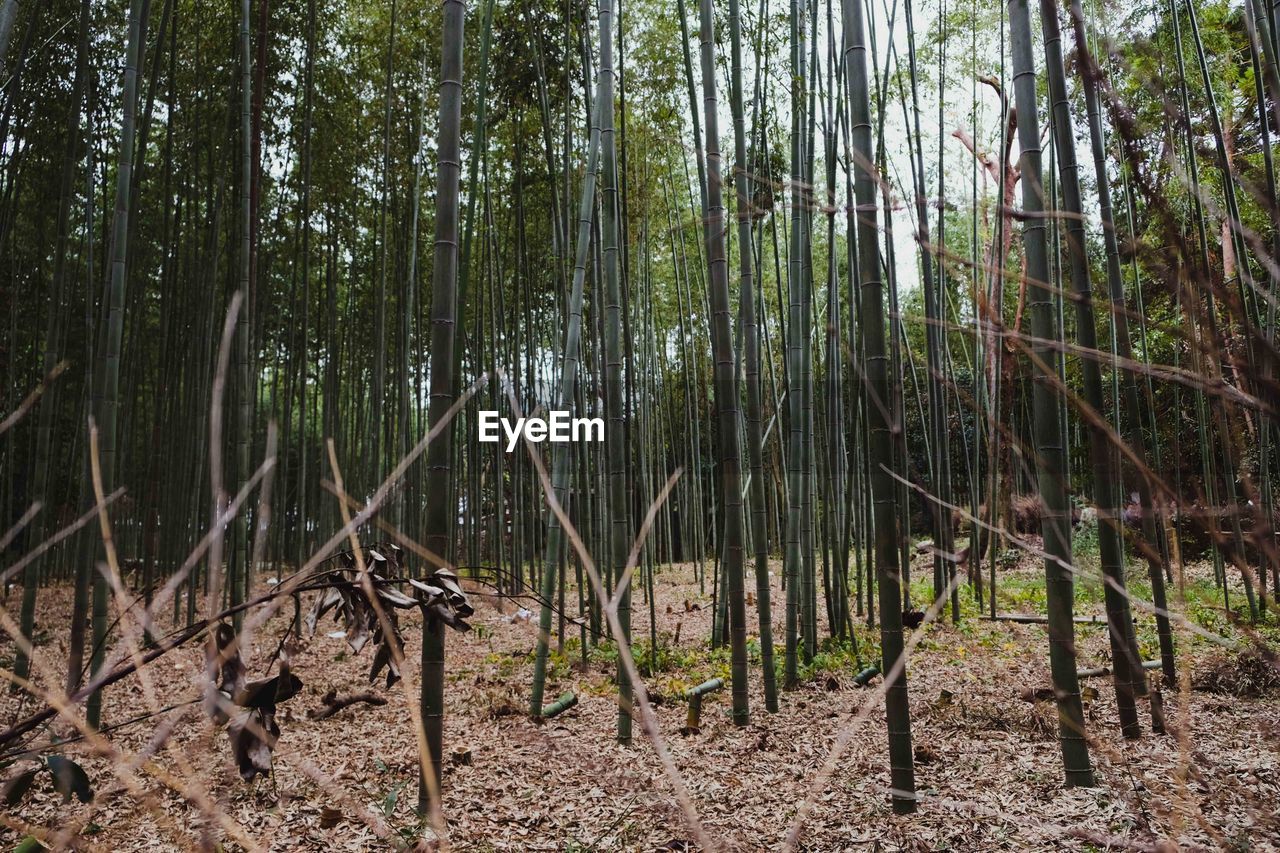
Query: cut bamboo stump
point(693, 719)
point(865, 676)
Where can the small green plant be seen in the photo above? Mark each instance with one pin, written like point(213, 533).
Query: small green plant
point(837, 656)
point(68, 778)
point(1084, 542)
point(391, 798)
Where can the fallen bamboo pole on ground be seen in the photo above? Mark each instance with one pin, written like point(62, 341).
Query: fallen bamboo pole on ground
point(1099, 671)
point(1037, 619)
point(566, 701)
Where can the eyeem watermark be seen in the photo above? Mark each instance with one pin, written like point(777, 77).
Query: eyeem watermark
point(558, 427)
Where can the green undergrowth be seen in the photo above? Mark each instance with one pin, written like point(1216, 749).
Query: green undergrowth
point(1022, 591)
point(670, 669)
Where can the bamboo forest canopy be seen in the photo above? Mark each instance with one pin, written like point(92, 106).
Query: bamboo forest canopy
point(877, 302)
point(372, 130)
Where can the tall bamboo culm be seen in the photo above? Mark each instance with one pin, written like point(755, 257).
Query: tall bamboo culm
point(560, 460)
point(1128, 675)
point(619, 538)
point(751, 367)
point(1151, 523)
point(880, 447)
point(1049, 442)
point(438, 527)
point(726, 387)
point(107, 381)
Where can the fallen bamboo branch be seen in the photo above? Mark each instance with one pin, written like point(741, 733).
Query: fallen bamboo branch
point(49, 712)
point(164, 645)
point(334, 703)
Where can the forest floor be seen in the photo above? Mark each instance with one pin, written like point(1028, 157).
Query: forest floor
point(988, 767)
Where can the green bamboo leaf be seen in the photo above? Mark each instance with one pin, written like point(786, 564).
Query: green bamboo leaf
point(389, 802)
point(30, 844)
point(16, 787)
point(69, 778)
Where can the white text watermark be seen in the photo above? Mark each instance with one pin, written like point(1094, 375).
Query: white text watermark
point(558, 426)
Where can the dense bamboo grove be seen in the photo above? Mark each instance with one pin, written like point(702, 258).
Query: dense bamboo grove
point(845, 281)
